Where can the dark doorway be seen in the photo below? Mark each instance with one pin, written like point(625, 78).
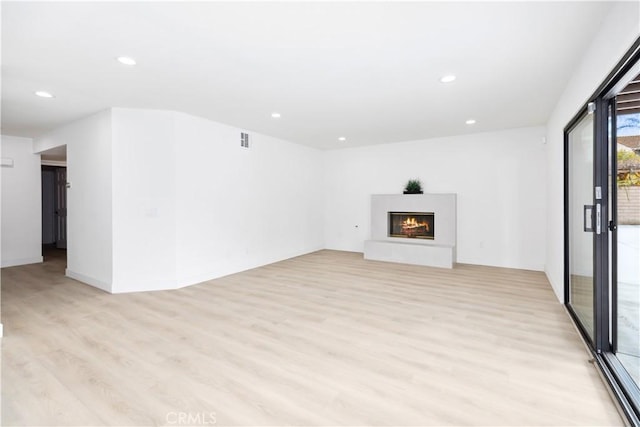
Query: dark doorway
point(54, 206)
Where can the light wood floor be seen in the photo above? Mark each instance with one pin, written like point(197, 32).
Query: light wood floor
point(323, 339)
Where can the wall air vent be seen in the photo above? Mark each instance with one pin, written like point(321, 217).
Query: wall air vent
point(244, 140)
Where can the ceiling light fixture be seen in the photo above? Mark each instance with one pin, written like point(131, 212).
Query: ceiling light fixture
point(342, 138)
point(44, 94)
point(471, 122)
point(126, 60)
point(275, 115)
point(448, 78)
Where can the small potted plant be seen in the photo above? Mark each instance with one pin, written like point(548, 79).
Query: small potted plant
point(413, 187)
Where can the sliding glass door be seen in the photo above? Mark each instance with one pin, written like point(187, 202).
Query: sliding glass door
point(581, 221)
point(602, 229)
point(625, 200)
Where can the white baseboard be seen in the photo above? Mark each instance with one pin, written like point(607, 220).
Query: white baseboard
point(20, 261)
point(88, 280)
point(185, 281)
point(142, 286)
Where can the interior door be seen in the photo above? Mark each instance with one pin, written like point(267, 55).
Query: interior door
point(581, 218)
point(61, 208)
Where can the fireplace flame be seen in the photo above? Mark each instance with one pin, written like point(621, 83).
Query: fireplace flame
point(411, 223)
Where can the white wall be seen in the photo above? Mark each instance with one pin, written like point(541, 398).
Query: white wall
point(21, 203)
point(190, 204)
point(89, 204)
point(618, 32)
point(144, 194)
point(498, 177)
point(240, 208)
point(161, 199)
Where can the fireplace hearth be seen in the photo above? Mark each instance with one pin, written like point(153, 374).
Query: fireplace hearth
point(411, 225)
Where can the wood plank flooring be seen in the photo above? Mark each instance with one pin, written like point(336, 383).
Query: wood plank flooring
point(323, 339)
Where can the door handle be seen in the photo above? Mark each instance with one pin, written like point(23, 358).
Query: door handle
point(598, 217)
point(587, 215)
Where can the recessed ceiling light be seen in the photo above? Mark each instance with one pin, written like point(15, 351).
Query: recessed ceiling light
point(275, 115)
point(126, 60)
point(471, 122)
point(342, 138)
point(43, 94)
point(447, 79)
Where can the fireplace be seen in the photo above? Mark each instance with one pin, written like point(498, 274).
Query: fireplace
point(411, 225)
point(413, 243)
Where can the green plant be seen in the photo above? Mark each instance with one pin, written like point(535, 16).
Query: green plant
point(625, 156)
point(628, 169)
point(413, 186)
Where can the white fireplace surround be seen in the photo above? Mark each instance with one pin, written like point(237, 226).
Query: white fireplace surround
point(439, 252)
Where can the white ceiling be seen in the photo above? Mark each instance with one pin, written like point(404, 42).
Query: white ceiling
point(366, 71)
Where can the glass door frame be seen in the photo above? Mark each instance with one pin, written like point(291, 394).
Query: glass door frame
point(600, 234)
point(601, 102)
point(613, 221)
